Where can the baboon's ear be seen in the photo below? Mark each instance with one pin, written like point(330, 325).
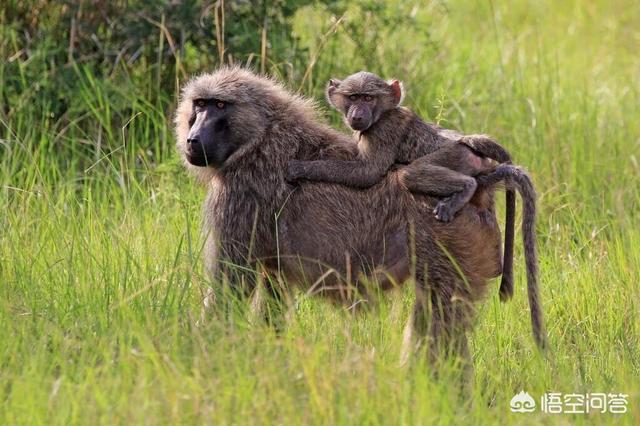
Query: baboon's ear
point(397, 91)
point(330, 91)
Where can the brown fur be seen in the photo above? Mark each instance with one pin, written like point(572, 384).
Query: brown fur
point(443, 163)
point(388, 133)
point(253, 216)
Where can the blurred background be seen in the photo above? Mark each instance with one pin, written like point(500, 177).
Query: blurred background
point(100, 244)
point(76, 74)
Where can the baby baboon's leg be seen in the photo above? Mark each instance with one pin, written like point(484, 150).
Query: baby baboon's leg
point(423, 177)
point(448, 207)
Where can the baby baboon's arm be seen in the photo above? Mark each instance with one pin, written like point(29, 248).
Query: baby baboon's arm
point(356, 174)
point(363, 172)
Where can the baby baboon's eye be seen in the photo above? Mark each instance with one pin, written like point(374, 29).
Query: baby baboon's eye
point(200, 103)
point(353, 97)
point(368, 98)
point(220, 105)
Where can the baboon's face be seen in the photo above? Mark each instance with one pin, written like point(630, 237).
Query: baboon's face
point(362, 98)
point(359, 110)
point(208, 141)
point(220, 117)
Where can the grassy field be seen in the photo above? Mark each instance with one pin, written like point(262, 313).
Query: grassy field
point(100, 249)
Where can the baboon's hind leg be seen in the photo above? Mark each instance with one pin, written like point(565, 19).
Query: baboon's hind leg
point(442, 310)
point(423, 177)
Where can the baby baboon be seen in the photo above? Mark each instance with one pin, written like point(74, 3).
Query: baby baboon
point(237, 132)
point(443, 163)
point(388, 133)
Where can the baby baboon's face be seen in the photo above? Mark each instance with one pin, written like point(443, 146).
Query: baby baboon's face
point(362, 98)
point(359, 110)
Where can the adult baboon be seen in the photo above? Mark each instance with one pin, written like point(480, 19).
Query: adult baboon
point(237, 132)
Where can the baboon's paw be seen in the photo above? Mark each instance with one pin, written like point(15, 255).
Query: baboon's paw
point(443, 211)
point(295, 170)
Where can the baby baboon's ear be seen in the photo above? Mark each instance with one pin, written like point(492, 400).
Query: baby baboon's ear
point(334, 82)
point(330, 91)
point(397, 90)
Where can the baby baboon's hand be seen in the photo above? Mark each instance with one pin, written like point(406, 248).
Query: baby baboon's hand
point(295, 170)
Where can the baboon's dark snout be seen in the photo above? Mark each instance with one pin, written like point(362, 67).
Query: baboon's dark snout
point(358, 123)
point(194, 145)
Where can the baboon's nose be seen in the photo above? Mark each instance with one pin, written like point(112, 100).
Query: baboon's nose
point(356, 122)
point(192, 140)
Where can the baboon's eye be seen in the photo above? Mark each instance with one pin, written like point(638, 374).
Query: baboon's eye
point(220, 105)
point(353, 97)
point(200, 103)
point(368, 98)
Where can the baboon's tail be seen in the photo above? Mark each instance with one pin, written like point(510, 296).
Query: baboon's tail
point(487, 147)
point(506, 283)
point(517, 177)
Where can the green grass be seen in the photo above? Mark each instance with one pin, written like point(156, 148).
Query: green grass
point(100, 249)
